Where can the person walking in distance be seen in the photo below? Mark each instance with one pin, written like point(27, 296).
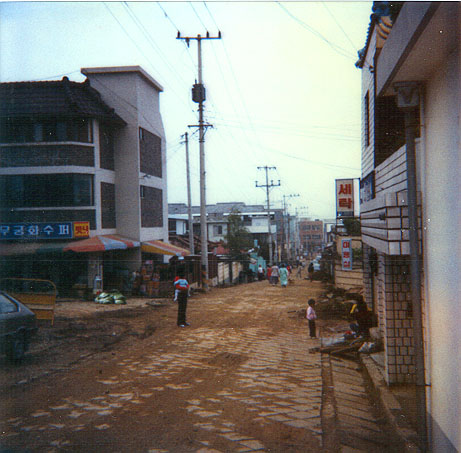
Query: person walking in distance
point(182, 286)
point(310, 271)
point(283, 273)
point(311, 317)
point(275, 274)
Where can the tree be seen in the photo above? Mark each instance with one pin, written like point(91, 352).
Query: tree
point(353, 227)
point(238, 238)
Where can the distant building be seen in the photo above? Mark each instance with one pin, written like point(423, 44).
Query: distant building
point(254, 219)
point(82, 177)
point(311, 236)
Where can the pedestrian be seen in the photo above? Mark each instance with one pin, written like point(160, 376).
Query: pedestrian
point(275, 274)
point(363, 318)
point(182, 286)
point(299, 270)
point(311, 317)
point(283, 273)
point(269, 274)
point(260, 273)
point(310, 271)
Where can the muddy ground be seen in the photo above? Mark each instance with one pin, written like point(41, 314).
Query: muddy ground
point(126, 378)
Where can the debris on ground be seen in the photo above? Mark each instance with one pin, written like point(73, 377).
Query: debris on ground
point(111, 297)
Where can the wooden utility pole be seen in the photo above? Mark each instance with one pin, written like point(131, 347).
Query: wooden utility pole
point(268, 186)
point(189, 202)
point(287, 232)
point(199, 96)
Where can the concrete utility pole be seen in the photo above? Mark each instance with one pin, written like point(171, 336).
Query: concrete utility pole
point(287, 232)
point(189, 202)
point(199, 96)
point(268, 186)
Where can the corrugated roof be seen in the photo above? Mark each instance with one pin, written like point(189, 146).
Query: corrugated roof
point(57, 98)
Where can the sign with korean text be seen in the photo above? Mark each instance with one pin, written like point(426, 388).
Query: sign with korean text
point(344, 198)
point(346, 254)
point(44, 230)
point(81, 229)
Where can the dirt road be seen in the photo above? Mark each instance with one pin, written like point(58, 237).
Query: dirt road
point(240, 378)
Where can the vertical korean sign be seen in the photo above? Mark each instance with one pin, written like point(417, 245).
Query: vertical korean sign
point(344, 198)
point(346, 254)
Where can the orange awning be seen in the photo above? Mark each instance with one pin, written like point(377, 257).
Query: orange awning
point(162, 248)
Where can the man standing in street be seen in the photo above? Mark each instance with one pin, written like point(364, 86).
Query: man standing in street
point(182, 286)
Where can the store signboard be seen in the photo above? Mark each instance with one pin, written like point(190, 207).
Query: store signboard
point(346, 254)
point(44, 230)
point(344, 198)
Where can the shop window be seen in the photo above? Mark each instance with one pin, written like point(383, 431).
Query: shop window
point(46, 190)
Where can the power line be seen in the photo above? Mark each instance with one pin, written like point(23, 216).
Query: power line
point(339, 25)
point(335, 47)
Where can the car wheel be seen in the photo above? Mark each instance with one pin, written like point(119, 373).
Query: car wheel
point(16, 349)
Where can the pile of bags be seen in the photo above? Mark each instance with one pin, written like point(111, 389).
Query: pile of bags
point(111, 297)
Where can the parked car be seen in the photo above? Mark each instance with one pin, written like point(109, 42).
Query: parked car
point(17, 325)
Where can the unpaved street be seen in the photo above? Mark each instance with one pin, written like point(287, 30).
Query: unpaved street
point(240, 378)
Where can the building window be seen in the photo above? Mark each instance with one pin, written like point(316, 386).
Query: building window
point(108, 205)
point(25, 130)
point(106, 147)
point(151, 207)
point(150, 148)
point(46, 190)
point(367, 119)
point(217, 230)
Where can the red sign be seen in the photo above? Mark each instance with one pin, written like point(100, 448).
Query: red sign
point(344, 198)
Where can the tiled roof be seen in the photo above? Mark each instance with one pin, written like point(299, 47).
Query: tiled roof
point(216, 209)
point(384, 14)
point(58, 98)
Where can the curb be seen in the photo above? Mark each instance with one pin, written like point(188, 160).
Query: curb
point(392, 409)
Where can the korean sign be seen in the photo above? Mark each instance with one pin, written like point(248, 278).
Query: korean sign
point(346, 254)
point(42, 230)
point(344, 198)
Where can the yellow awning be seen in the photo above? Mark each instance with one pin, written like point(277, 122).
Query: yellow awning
point(162, 248)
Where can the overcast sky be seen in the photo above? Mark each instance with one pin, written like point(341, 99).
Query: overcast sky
point(282, 88)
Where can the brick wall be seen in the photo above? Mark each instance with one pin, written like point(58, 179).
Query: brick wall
point(396, 319)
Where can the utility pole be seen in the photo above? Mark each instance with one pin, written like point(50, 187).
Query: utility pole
point(199, 96)
point(287, 232)
point(268, 186)
point(189, 202)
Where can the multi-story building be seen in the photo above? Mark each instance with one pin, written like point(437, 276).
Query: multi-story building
point(82, 176)
point(311, 236)
point(254, 219)
point(410, 203)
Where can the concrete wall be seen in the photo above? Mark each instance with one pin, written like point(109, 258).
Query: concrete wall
point(442, 247)
point(135, 99)
point(353, 279)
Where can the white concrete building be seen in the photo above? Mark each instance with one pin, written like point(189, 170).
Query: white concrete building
point(89, 155)
point(420, 46)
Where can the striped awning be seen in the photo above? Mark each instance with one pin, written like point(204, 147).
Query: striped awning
point(94, 244)
point(162, 248)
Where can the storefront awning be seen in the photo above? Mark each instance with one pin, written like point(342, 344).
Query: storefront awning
point(101, 244)
point(93, 244)
point(162, 248)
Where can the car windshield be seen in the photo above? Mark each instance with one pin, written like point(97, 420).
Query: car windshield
point(7, 305)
